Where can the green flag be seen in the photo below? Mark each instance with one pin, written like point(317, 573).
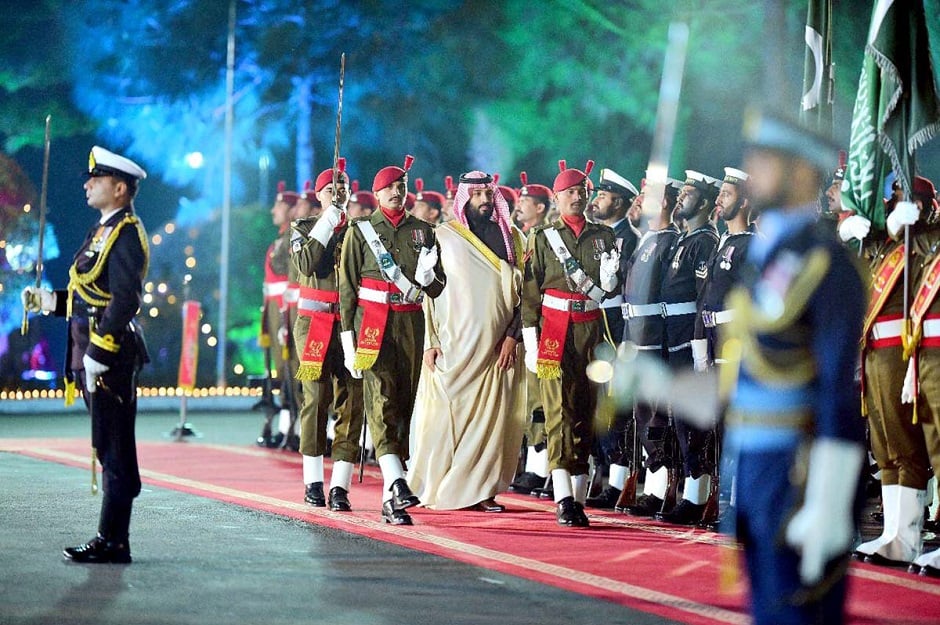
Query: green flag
point(896, 108)
point(816, 103)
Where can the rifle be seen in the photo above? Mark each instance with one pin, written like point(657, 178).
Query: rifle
point(24, 327)
point(673, 472)
point(628, 494)
point(266, 403)
point(710, 514)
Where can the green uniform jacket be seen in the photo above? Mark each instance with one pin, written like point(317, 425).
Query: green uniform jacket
point(543, 271)
point(404, 243)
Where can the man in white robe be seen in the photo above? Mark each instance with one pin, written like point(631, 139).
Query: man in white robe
point(470, 408)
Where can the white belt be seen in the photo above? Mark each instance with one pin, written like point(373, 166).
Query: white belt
point(385, 297)
point(273, 289)
point(612, 302)
point(663, 309)
point(931, 328)
point(717, 317)
point(292, 295)
point(569, 305)
point(888, 329)
point(315, 305)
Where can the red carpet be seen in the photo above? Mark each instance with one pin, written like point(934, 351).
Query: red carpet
point(647, 566)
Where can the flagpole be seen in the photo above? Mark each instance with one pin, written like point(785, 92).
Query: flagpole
point(220, 362)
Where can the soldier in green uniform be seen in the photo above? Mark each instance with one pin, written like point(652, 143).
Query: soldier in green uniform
point(529, 213)
point(389, 263)
point(897, 439)
point(315, 251)
point(572, 266)
point(274, 310)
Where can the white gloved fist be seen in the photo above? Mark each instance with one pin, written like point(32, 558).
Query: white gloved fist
point(327, 222)
point(530, 340)
point(904, 214)
point(282, 336)
point(610, 263)
point(349, 353)
point(700, 354)
point(907, 389)
point(38, 299)
point(854, 227)
point(93, 371)
point(424, 269)
point(823, 528)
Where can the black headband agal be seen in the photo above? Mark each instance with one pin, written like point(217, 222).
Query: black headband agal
point(487, 179)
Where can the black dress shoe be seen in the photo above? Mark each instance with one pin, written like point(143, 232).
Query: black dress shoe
point(291, 443)
point(276, 441)
point(686, 513)
point(544, 492)
point(526, 482)
point(99, 551)
point(393, 515)
point(402, 495)
point(339, 499)
point(880, 560)
point(930, 571)
point(488, 505)
point(570, 513)
point(314, 495)
point(646, 505)
point(605, 500)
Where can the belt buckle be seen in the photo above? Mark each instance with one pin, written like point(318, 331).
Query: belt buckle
point(664, 309)
point(395, 298)
point(577, 305)
point(626, 311)
point(708, 319)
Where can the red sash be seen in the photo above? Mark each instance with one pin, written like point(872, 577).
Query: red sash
point(886, 276)
point(317, 342)
point(926, 294)
point(555, 329)
point(374, 319)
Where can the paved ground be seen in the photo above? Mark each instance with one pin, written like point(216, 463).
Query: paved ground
point(203, 561)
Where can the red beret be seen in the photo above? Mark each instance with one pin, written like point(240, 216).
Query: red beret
point(288, 197)
point(535, 190)
point(308, 193)
point(431, 197)
point(509, 193)
point(364, 198)
point(567, 178)
point(326, 176)
point(388, 175)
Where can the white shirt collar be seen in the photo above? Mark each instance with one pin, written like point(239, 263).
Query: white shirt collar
point(105, 216)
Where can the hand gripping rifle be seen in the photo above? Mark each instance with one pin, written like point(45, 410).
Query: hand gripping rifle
point(24, 328)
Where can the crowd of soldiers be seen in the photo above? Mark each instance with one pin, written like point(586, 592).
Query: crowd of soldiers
point(665, 294)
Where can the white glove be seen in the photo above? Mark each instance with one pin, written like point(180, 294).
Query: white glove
point(823, 527)
point(610, 263)
point(93, 370)
point(424, 269)
point(282, 337)
point(38, 299)
point(323, 229)
point(854, 227)
point(907, 389)
point(349, 353)
point(904, 214)
point(530, 339)
point(700, 354)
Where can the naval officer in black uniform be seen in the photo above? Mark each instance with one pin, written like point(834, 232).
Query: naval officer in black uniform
point(106, 348)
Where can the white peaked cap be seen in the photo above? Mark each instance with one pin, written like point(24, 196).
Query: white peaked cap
point(735, 176)
point(615, 182)
point(102, 162)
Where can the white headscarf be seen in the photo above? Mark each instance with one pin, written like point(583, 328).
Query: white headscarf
point(480, 180)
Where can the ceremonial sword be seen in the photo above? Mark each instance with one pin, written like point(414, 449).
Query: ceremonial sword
point(42, 217)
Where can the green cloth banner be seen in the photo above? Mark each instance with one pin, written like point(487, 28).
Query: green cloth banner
point(896, 109)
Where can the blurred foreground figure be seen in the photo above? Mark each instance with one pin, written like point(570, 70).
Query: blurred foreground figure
point(793, 418)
